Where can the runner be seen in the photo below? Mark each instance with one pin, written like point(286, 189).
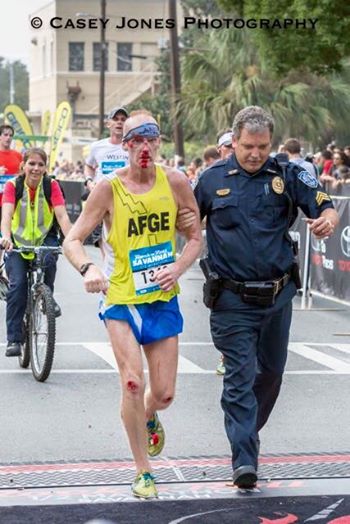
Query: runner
point(139, 207)
point(105, 157)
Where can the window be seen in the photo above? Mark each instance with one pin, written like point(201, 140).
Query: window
point(124, 61)
point(76, 56)
point(97, 56)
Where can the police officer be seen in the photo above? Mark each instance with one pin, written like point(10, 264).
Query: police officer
point(250, 200)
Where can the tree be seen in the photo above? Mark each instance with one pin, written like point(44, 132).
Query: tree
point(230, 75)
point(21, 84)
point(321, 50)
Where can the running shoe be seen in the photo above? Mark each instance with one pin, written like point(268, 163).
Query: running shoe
point(144, 486)
point(156, 436)
point(220, 368)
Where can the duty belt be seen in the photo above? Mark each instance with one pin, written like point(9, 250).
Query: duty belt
point(260, 293)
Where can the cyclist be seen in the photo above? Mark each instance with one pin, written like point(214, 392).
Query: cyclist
point(27, 219)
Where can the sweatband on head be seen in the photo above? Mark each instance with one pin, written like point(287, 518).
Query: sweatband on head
point(146, 130)
point(225, 139)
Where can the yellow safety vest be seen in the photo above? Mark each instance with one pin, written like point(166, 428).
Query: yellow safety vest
point(141, 240)
point(31, 221)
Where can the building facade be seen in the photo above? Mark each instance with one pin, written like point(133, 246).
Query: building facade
point(65, 57)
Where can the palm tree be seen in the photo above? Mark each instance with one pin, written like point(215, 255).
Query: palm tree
point(223, 73)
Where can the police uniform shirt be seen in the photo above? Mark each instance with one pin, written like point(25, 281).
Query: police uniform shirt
point(247, 216)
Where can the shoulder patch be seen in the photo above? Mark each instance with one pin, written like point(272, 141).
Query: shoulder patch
point(307, 179)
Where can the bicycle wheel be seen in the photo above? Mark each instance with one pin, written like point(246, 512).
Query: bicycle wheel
point(24, 357)
point(4, 287)
point(43, 334)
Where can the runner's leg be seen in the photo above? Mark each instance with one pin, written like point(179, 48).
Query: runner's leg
point(162, 358)
point(128, 356)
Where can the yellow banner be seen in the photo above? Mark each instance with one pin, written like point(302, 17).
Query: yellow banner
point(16, 117)
point(45, 122)
point(60, 124)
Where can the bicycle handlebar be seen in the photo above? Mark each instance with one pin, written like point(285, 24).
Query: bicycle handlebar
point(36, 249)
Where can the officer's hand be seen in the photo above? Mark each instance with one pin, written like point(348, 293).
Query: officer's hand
point(186, 217)
point(167, 277)
point(3, 170)
point(95, 280)
point(6, 243)
point(321, 227)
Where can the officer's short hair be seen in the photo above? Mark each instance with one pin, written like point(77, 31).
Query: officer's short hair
point(253, 118)
point(292, 145)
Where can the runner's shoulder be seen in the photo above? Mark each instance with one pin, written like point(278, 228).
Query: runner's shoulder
point(176, 177)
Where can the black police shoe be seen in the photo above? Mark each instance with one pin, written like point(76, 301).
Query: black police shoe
point(245, 477)
point(13, 349)
point(57, 309)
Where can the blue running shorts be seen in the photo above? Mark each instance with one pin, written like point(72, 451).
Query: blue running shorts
point(149, 322)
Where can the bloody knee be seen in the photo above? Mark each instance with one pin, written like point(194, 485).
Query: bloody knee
point(164, 400)
point(134, 386)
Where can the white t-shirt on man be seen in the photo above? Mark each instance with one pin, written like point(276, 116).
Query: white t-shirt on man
point(106, 157)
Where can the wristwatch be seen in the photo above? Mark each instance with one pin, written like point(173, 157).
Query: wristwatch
point(85, 267)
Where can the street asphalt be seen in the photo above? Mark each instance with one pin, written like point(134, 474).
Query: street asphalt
point(74, 416)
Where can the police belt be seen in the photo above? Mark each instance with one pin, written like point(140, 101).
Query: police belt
point(253, 292)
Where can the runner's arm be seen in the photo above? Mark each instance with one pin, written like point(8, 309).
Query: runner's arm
point(184, 198)
point(89, 171)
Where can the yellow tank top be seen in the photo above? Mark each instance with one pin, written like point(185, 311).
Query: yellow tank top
point(141, 240)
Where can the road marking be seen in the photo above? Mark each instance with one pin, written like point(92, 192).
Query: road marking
point(104, 351)
point(321, 358)
point(333, 365)
point(115, 371)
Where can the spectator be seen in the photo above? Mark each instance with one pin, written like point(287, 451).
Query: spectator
point(210, 155)
point(224, 143)
point(293, 149)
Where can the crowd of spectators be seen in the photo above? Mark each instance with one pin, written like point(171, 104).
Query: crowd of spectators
point(66, 170)
point(333, 165)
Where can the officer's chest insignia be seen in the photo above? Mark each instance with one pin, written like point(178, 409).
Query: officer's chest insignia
point(233, 172)
point(307, 179)
point(322, 197)
point(278, 185)
point(223, 192)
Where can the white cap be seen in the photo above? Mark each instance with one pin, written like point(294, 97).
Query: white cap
point(225, 139)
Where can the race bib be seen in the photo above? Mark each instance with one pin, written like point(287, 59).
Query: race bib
point(110, 166)
point(146, 262)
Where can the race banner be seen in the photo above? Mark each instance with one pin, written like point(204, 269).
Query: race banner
point(330, 257)
point(17, 118)
point(45, 122)
point(60, 124)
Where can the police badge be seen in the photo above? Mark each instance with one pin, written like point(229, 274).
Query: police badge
point(278, 185)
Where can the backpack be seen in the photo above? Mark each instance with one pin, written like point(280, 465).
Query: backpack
point(19, 188)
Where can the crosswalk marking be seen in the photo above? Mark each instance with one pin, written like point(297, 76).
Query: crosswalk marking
point(331, 365)
point(104, 351)
point(318, 356)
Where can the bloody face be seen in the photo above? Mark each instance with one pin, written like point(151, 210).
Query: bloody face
point(143, 151)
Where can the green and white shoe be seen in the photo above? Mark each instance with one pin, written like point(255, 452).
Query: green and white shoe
point(156, 436)
point(144, 486)
point(220, 368)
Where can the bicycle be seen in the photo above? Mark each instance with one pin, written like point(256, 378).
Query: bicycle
point(39, 323)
